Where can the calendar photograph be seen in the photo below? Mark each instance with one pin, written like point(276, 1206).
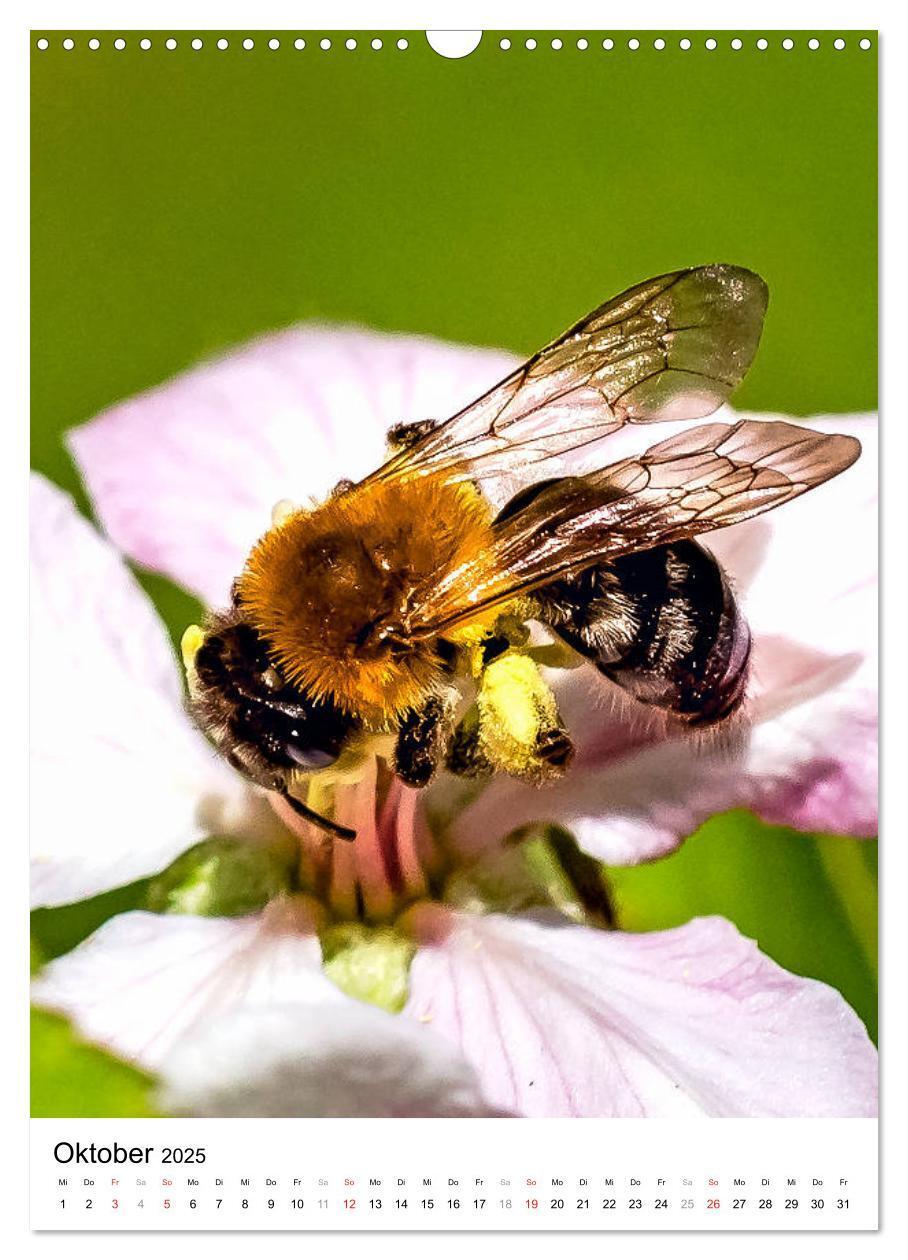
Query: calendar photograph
point(453, 576)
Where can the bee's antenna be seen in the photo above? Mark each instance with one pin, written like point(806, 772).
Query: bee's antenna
point(325, 824)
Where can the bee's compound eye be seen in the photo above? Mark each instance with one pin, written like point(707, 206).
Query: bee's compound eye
point(310, 758)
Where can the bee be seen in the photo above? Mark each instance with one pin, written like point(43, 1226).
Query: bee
point(362, 618)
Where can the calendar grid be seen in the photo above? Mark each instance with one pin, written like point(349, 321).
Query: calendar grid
point(468, 1174)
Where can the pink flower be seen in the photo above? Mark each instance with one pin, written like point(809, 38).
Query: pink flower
point(537, 1012)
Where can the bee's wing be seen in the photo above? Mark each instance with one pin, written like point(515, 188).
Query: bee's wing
point(699, 480)
point(672, 348)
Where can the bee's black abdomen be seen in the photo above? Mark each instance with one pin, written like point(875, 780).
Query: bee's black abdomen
point(663, 624)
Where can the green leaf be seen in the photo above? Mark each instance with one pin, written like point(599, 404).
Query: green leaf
point(223, 876)
point(58, 929)
point(809, 901)
point(69, 1077)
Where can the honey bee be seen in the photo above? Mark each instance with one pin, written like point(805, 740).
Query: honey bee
point(402, 598)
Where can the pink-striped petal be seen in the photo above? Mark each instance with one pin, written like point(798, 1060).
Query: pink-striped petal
point(319, 1059)
point(237, 1019)
point(563, 1020)
point(184, 477)
point(121, 782)
point(144, 981)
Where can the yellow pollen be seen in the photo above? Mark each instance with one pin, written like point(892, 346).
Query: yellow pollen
point(192, 640)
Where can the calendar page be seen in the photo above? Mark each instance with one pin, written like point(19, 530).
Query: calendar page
point(454, 771)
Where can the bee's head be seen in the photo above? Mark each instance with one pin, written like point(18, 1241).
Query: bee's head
point(264, 726)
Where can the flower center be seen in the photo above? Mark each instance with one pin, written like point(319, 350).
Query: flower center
point(387, 865)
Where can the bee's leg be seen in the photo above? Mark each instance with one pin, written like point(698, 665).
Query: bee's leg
point(663, 624)
point(422, 737)
point(465, 756)
point(514, 725)
point(400, 437)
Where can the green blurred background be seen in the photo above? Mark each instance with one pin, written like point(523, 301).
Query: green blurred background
point(183, 200)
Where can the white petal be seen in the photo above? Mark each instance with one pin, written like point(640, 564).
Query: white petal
point(121, 782)
point(337, 1059)
point(812, 759)
point(184, 477)
point(562, 1020)
point(144, 981)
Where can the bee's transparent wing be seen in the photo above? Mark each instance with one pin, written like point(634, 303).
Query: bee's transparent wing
point(703, 479)
point(673, 348)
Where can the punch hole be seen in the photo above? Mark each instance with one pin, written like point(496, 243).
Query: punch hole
point(685, 44)
point(865, 44)
point(119, 44)
point(170, 44)
point(350, 45)
point(762, 44)
point(324, 44)
point(453, 44)
point(531, 44)
point(94, 43)
point(633, 44)
point(299, 43)
point(196, 43)
point(43, 45)
point(248, 44)
point(145, 44)
point(504, 44)
point(608, 44)
point(376, 44)
point(557, 44)
point(838, 44)
point(69, 44)
point(223, 43)
point(737, 44)
point(274, 44)
point(583, 44)
point(659, 44)
point(813, 44)
point(711, 44)
point(788, 44)
point(403, 44)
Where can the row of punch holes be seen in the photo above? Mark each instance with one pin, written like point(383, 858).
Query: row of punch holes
point(531, 43)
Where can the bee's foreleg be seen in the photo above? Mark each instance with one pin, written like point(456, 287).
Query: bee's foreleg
point(422, 738)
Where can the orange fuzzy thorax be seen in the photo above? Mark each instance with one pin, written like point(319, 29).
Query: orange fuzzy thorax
point(330, 590)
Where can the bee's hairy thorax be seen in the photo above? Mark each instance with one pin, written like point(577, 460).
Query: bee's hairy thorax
point(333, 591)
